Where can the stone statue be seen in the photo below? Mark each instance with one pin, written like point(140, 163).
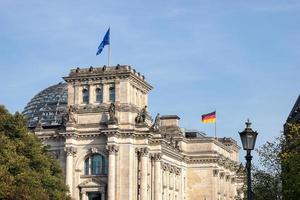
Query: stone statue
point(112, 114)
point(155, 126)
point(141, 117)
point(39, 123)
point(70, 115)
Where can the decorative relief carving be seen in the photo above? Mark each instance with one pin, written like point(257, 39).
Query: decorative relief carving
point(141, 116)
point(105, 108)
point(157, 157)
point(144, 151)
point(215, 172)
point(39, 126)
point(112, 149)
point(70, 118)
point(93, 150)
point(112, 114)
point(222, 174)
point(170, 168)
point(227, 177)
point(70, 151)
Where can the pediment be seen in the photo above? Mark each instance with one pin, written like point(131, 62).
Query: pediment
point(92, 182)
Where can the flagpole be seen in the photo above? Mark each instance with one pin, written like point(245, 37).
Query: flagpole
point(109, 48)
point(216, 125)
point(216, 129)
point(108, 62)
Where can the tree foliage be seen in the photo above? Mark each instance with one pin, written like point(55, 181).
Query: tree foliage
point(267, 179)
point(290, 159)
point(27, 171)
point(279, 174)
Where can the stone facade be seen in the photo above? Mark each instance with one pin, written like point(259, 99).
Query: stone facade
point(110, 149)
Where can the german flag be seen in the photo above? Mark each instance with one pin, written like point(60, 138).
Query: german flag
point(209, 117)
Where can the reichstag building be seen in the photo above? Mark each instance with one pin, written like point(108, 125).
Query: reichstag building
point(110, 148)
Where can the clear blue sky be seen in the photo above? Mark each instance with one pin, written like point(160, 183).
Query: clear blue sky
point(241, 58)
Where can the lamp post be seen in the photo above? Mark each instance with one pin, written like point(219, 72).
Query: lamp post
point(248, 137)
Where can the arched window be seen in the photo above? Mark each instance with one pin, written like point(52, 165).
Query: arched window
point(95, 164)
point(85, 96)
point(112, 94)
point(99, 95)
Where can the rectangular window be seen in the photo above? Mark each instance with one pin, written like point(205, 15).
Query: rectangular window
point(112, 94)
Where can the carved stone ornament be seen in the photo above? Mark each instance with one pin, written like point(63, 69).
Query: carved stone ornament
point(215, 172)
point(39, 126)
point(227, 177)
point(112, 114)
point(170, 168)
point(157, 157)
point(156, 125)
point(141, 117)
point(93, 150)
point(112, 149)
point(70, 115)
point(70, 151)
point(222, 174)
point(144, 151)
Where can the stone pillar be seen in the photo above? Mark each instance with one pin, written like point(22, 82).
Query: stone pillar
point(215, 186)
point(157, 177)
point(144, 173)
point(112, 151)
point(70, 153)
point(77, 94)
point(92, 94)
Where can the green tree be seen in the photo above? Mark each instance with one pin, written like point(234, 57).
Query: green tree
point(290, 160)
point(27, 171)
point(267, 179)
point(278, 176)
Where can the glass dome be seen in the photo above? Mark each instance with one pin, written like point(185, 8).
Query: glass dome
point(48, 106)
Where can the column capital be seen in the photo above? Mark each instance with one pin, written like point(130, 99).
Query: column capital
point(144, 151)
point(70, 151)
point(112, 149)
point(157, 157)
point(215, 172)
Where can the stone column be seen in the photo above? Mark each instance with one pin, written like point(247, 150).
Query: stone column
point(215, 186)
point(157, 177)
point(112, 150)
point(92, 94)
point(144, 164)
point(77, 94)
point(70, 153)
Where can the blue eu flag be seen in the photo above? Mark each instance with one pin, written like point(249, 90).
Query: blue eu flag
point(105, 41)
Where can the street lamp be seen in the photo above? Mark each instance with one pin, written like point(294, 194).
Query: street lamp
point(248, 137)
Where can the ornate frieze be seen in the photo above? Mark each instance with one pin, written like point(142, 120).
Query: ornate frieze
point(105, 108)
point(170, 168)
point(112, 149)
point(70, 151)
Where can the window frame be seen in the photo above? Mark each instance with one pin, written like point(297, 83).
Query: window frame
point(90, 168)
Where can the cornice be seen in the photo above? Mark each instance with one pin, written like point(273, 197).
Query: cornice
point(207, 140)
